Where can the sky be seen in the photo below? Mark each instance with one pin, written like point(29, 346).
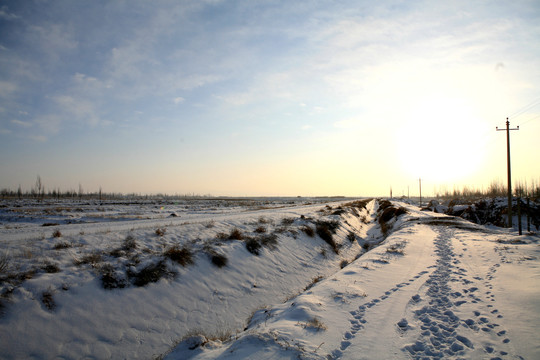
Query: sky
point(268, 98)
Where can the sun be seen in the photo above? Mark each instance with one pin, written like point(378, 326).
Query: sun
point(439, 140)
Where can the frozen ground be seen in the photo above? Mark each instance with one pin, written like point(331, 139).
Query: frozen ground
point(387, 283)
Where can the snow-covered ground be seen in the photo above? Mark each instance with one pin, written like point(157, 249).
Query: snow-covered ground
point(389, 281)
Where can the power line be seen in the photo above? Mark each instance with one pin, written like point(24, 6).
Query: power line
point(525, 108)
point(534, 118)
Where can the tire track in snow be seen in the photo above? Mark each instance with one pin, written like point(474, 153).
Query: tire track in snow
point(443, 333)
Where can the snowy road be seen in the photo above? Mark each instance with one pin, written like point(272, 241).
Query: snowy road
point(438, 288)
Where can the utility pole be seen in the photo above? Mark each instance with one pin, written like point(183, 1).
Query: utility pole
point(420, 185)
point(509, 171)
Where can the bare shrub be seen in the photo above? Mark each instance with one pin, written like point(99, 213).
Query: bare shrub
point(397, 248)
point(161, 231)
point(269, 240)
point(308, 230)
point(62, 245)
point(4, 262)
point(331, 225)
point(57, 233)
point(218, 260)
point(260, 230)
point(314, 323)
point(51, 268)
point(263, 220)
point(389, 212)
point(130, 243)
point(324, 233)
point(110, 279)
point(48, 300)
point(209, 224)
point(359, 204)
point(287, 221)
point(236, 234)
point(253, 246)
point(315, 280)
point(93, 259)
point(351, 236)
point(222, 236)
point(343, 263)
point(151, 273)
point(181, 255)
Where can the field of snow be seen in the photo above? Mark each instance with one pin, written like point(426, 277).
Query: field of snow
point(263, 279)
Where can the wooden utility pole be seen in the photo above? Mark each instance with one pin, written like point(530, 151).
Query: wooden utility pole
point(508, 168)
point(420, 185)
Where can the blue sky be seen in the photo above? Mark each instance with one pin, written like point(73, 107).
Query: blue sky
point(267, 97)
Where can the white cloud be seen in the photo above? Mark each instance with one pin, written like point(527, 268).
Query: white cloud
point(24, 124)
point(178, 100)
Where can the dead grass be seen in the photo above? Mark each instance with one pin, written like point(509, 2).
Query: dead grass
point(260, 229)
point(236, 234)
point(93, 259)
point(269, 241)
point(62, 245)
point(315, 280)
point(219, 260)
point(5, 260)
point(181, 255)
point(308, 230)
point(50, 268)
point(48, 300)
point(314, 323)
point(130, 243)
point(151, 273)
point(253, 246)
point(325, 233)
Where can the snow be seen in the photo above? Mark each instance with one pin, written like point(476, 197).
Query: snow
point(435, 286)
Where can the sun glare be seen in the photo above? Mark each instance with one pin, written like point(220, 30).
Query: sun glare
point(440, 140)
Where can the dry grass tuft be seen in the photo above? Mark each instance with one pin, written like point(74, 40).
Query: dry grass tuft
point(236, 234)
point(308, 230)
point(253, 246)
point(48, 300)
point(180, 255)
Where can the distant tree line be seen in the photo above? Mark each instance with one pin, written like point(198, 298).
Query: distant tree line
point(495, 189)
point(39, 192)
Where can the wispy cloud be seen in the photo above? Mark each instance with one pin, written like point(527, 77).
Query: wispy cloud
point(24, 124)
point(7, 88)
point(6, 14)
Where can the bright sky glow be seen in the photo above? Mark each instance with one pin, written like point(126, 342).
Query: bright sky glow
point(251, 98)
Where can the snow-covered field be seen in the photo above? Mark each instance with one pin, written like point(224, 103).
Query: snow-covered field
point(263, 279)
